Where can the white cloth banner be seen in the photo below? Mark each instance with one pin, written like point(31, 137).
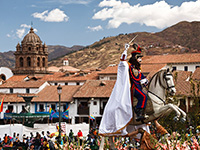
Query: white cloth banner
point(9, 129)
point(118, 110)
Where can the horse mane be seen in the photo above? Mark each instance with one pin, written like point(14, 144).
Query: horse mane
point(156, 75)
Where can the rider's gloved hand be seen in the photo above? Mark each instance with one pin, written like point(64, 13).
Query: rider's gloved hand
point(127, 46)
point(124, 54)
point(144, 81)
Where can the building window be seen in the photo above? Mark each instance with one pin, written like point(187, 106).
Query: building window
point(28, 62)
point(29, 48)
point(21, 62)
point(53, 106)
point(43, 62)
point(3, 77)
point(197, 67)
point(27, 90)
point(11, 90)
point(185, 68)
point(66, 83)
point(9, 109)
point(41, 106)
point(64, 107)
point(113, 78)
point(38, 61)
point(173, 68)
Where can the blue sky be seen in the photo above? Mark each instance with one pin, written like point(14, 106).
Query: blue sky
point(83, 22)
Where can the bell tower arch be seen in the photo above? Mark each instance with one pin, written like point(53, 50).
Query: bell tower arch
point(31, 56)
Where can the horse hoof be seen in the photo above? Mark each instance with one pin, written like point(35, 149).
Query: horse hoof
point(176, 119)
point(183, 120)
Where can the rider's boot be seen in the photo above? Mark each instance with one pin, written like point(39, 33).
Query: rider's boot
point(139, 114)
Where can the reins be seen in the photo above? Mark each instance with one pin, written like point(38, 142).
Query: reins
point(168, 87)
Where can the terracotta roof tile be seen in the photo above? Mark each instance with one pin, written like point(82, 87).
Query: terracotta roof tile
point(62, 68)
point(12, 98)
point(175, 58)
point(181, 75)
point(196, 74)
point(183, 88)
point(147, 68)
point(49, 94)
point(17, 78)
point(22, 84)
point(92, 88)
point(76, 77)
point(109, 70)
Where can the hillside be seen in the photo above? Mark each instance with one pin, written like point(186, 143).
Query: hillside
point(179, 38)
point(184, 33)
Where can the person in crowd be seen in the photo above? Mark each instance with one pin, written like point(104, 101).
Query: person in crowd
point(37, 141)
point(71, 135)
point(5, 139)
point(31, 147)
point(80, 136)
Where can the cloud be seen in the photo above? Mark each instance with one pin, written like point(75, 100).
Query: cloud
point(8, 35)
point(56, 15)
point(24, 28)
point(159, 15)
point(97, 28)
point(20, 32)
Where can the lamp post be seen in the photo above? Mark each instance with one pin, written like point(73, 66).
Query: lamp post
point(59, 89)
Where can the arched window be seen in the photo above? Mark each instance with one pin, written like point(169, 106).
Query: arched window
point(21, 62)
point(28, 62)
point(3, 77)
point(38, 61)
point(43, 62)
point(29, 48)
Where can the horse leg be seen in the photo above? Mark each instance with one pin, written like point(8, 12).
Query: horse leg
point(102, 143)
point(172, 107)
point(183, 119)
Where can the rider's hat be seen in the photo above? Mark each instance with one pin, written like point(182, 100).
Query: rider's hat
point(137, 51)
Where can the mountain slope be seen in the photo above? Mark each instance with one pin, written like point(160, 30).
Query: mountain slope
point(180, 38)
point(186, 34)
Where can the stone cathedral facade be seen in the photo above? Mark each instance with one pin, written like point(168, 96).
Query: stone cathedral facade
point(31, 57)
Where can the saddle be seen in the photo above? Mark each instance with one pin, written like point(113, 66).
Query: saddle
point(149, 106)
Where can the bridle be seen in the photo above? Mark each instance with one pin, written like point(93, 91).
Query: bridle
point(168, 87)
point(166, 79)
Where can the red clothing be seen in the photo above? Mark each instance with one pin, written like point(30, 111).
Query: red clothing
point(80, 134)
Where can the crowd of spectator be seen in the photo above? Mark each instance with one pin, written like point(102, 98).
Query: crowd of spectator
point(74, 141)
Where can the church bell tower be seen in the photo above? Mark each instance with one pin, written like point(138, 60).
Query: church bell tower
point(31, 57)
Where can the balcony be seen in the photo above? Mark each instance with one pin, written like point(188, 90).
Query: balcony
point(83, 110)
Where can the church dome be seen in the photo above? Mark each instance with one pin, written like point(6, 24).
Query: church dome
point(31, 37)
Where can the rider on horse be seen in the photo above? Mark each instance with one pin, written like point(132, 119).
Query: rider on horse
point(137, 79)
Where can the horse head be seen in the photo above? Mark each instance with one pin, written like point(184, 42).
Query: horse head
point(169, 82)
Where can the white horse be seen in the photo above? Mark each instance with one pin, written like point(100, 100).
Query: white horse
point(159, 83)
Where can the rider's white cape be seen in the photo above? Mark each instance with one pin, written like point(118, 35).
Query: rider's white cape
point(118, 111)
